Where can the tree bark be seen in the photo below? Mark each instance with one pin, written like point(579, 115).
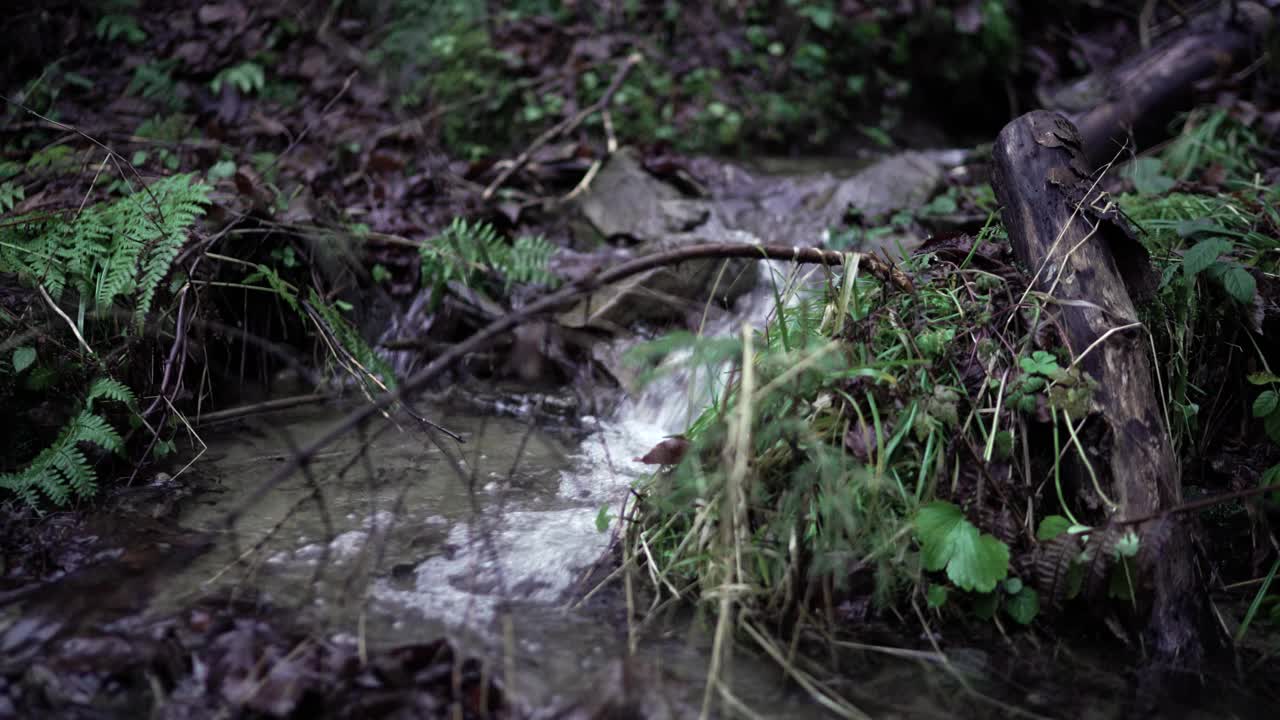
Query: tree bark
point(1081, 255)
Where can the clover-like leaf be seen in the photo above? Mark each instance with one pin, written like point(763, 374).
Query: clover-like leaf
point(1040, 363)
point(936, 596)
point(973, 561)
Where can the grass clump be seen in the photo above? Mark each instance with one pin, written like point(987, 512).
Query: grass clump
point(867, 406)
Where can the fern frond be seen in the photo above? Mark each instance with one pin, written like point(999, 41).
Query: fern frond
point(181, 202)
point(62, 469)
point(466, 250)
point(528, 259)
point(378, 375)
point(74, 468)
point(110, 389)
point(282, 289)
point(110, 250)
point(19, 484)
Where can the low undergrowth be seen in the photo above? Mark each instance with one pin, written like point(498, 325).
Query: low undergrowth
point(874, 451)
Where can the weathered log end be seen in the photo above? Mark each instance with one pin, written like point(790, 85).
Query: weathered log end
point(1081, 257)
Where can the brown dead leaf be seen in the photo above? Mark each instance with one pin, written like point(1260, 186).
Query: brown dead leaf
point(268, 125)
point(668, 452)
point(214, 13)
point(192, 53)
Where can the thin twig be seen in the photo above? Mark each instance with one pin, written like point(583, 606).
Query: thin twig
point(70, 323)
point(554, 301)
point(564, 126)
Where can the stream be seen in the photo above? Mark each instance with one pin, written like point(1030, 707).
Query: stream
point(393, 538)
point(492, 552)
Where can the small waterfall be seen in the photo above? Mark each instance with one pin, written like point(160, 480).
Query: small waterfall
point(539, 551)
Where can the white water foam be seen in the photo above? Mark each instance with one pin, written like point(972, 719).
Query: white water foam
point(536, 555)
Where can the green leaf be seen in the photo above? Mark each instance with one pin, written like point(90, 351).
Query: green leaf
point(1203, 254)
point(1262, 378)
point(1013, 585)
point(1040, 363)
point(1239, 284)
point(878, 136)
point(936, 596)
point(23, 357)
point(139, 157)
point(1024, 606)
point(222, 170)
point(1265, 403)
point(1272, 425)
point(1271, 476)
point(602, 519)
point(1148, 178)
point(1051, 527)
point(973, 561)
point(985, 605)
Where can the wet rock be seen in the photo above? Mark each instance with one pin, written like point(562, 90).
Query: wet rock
point(626, 202)
point(906, 180)
point(801, 207)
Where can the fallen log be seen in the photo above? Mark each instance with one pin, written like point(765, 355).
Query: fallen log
point(1137, 97)
point(1084, 267)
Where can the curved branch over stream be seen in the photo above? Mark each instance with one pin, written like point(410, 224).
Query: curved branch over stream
point(554, 301)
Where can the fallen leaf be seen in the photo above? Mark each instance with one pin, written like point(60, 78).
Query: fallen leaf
point(214, 13)
point(668, 452)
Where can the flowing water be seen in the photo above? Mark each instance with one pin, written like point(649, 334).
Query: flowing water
point(492, 551)
point(391, 538)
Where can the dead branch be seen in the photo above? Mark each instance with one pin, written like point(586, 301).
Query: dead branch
point(551, 303)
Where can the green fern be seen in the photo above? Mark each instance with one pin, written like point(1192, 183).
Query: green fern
point(353, 353)
point(11, 194)
point(371, 370)
point(61, 470)
point(111, 250)
point(466, 251)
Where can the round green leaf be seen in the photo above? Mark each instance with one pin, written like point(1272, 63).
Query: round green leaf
point(1051, 527)
point(936, 596)
point(1024, 606)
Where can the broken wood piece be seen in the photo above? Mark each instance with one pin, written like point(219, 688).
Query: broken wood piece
point(1063, 230)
